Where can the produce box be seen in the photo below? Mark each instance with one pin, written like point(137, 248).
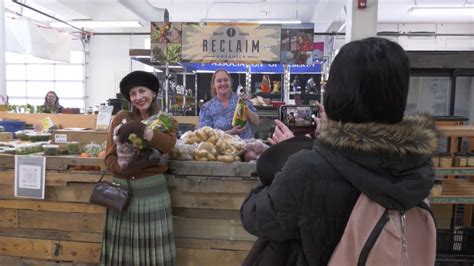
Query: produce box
point(83, 136)
point(6, 136)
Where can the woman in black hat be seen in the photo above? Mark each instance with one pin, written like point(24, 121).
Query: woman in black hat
point(143, 234)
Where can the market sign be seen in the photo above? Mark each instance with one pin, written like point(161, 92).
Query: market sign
point(254, 68)
point(243, 43)
point(238, 43)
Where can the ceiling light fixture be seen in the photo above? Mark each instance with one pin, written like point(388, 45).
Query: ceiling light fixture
point(441, 11)
point(98, 24)
point(259, 21)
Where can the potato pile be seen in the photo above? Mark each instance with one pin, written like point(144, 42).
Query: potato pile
point(207, 144)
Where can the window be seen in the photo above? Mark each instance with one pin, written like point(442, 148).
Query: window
point(464, 97)
point(29, 78)
point(429, 94)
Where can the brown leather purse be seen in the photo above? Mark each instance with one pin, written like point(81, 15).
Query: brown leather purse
point(111, 195)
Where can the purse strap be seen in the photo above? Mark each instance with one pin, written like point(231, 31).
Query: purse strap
point(103, 174)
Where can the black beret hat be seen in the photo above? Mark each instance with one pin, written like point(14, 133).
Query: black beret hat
point(138, 78)
point(272, 159)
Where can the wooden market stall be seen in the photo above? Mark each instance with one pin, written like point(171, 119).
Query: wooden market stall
point(206, 196)
point(74, 120)
point(64, 228)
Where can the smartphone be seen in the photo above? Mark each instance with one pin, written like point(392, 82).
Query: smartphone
point(298, 116)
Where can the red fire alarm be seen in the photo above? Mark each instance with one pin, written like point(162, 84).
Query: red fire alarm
point(361, 4)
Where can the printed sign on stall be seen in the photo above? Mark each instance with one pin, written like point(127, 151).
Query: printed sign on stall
point(30, 172)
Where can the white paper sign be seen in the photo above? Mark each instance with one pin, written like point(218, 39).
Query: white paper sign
point(29, 176)
point(103, 118)
point(30, 173)
point(60, 138)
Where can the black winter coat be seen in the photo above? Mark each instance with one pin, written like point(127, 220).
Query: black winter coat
point(310, 200)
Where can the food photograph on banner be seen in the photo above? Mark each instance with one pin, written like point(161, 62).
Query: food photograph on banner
point(297, 44)
point(165, 42)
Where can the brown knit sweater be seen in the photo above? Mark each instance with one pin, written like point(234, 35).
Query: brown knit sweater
point(163, 142)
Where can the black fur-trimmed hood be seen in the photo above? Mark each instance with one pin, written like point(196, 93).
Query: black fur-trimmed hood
point(390, 163)
point(414, 135)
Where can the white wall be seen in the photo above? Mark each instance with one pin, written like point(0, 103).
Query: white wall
point(109, 61)
point(415, 43)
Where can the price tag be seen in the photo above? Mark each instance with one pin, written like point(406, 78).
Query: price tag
point(60, 138)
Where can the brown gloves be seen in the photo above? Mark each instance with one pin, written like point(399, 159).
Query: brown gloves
point(131, 127)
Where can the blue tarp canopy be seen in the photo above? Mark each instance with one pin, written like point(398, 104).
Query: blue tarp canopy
point(257, 68)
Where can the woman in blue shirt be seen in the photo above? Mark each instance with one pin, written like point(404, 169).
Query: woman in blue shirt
point(219, 111)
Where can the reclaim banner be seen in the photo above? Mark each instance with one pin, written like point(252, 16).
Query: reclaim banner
point(239, 43)
point(244, 43)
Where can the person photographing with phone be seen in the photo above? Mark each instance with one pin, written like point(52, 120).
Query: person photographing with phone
point(283, 132)
point(365, 145)
point(219, 112)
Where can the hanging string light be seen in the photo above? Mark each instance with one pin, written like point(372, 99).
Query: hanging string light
point(248, 80)
point(286, 83)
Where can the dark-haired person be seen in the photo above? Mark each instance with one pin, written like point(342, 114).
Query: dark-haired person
point(365, 145)
point(219, 111)
point(143, 234)
point(51, 103)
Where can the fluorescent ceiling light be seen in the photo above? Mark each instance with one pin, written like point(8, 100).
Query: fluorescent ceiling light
point(98, 24)
point(259, 21)
point(441, 11)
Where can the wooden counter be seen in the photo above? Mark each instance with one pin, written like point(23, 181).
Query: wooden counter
point(72, 120)
point(65, 228)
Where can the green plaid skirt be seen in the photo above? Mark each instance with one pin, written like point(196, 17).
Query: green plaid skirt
point(142, 235)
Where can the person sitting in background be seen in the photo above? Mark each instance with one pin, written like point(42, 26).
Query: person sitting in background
point(219, 111)
point(51, 103)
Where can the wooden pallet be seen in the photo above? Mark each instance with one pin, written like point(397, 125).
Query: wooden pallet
point(64, 228)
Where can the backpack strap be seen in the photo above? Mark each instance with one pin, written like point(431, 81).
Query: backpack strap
point(369, 244)
point(426, 206)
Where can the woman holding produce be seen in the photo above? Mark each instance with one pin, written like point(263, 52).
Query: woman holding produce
point(220, 110)
point(143, 234)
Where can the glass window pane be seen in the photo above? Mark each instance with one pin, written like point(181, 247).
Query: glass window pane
point(35, 101)
point(31, 59)
point(39, 88)
point(428, 94)
point(69, 72)
point(77, 57)
point(72, 103)
point(14, 58)
point(70, 89)
point(17, 101)
point(40, 72)
point(16, 88)
point(464, 97)
point(15, 72)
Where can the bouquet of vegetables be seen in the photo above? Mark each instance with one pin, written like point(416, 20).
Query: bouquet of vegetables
point(160, 121)
point(139, 147)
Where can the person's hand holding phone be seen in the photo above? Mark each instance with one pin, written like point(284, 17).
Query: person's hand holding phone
point(321, 119)
point(281, 133)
